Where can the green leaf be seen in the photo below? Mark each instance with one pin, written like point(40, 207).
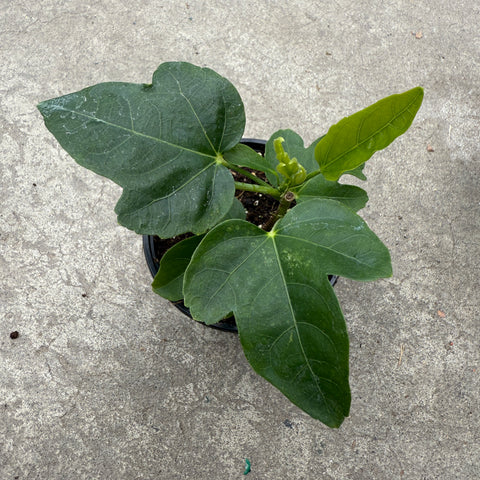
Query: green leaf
point(357, 172)
point(244, 156)
point(353, 140)
point(290, 324)
point(237, 210)
point(317, 187)
point(295, 147)
point(168, 282)
point(160, 142)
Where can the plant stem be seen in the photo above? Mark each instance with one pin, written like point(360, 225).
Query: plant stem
point(251, 187)
point(282, 209)
point(312, 174)
point(246, 173)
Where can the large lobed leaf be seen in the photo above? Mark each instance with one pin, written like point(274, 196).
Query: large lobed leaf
point(290, 324)
point(353, 140)
point(160, 142)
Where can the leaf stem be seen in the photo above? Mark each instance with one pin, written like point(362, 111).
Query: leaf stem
point(246, 173)
point(251, 187)
point(312, 174)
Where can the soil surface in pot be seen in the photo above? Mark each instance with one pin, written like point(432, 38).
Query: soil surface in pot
point(258, 207)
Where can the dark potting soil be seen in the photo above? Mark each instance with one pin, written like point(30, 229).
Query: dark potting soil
point(259, 209)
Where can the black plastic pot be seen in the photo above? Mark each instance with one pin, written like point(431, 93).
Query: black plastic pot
point(153, 261)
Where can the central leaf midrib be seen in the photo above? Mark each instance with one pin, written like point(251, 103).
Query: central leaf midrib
point(344, 154)
point(193, 111)
point(139, 134)
point(295, 324)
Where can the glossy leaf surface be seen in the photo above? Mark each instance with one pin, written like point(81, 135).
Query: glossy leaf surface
point(160, 142)
point(290, 325)
point(353, 140)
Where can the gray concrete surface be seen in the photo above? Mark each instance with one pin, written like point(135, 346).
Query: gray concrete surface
point(108, 381)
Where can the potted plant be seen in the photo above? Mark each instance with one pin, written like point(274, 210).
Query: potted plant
point(174, 146)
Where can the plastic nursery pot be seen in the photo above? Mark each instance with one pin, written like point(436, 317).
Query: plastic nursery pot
point(151, 250)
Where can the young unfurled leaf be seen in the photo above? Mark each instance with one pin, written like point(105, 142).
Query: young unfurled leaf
point(353, 140)
point(288, 167)
point(294, 146)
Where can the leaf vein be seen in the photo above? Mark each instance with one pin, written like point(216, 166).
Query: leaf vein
point(159, 199)
point(231, 272)
point(345, 153)
point(295, 326)
point(134, 132)
point(324, 247)
point(193, 111)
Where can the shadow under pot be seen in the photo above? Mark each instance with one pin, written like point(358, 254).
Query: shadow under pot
point(259, 209)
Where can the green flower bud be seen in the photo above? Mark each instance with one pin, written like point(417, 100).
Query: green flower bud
point(277, 145)
point(282, 169)
point(299, 177)
point(288, 167)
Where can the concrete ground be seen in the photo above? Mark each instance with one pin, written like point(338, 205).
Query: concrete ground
point(108, 381)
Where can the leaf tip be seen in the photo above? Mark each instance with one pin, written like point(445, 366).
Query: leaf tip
point(43, 107)
point(420, 91)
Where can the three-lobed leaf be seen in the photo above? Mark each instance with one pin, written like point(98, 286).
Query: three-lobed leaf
point(290, 325)
point(160, 142)
point(353, 140)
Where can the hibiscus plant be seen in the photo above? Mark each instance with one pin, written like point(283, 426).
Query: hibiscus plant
point(173, 146)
